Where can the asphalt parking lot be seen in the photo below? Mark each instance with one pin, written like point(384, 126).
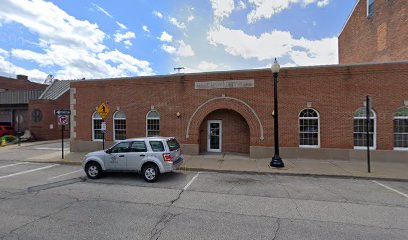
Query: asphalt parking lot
point(51, 201)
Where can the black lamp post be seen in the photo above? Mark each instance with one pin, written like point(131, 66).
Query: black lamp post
point(276, 159)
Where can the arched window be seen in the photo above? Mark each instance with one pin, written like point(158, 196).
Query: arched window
point(370, 7)
point(97, 134)
point(153, 124)
point(309, 135)
point(119, 126)
point(401, 129)
point(360, 129)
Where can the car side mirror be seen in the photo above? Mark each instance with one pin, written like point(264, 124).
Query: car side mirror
point(109, 151)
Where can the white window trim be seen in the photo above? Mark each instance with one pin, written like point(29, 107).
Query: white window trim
point(152, 118)
point(374, 147)
point(93, 128)
point(368, 7)
point(400, 148)
point(113, 125)
point(318, 129)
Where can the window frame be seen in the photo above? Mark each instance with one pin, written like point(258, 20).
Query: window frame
point(374, 117)
point(93, 126)
point(152, 118)
point(399, 117)
point(113, 125)
point(318, 128)
point(368, 8)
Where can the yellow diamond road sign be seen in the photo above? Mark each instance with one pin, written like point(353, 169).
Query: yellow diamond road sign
point(103, 110)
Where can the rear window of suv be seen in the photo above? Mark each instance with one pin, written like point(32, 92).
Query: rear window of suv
point(173, 144)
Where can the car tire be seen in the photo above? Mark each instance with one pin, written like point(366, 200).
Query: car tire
point(93, 170)
point(150, 172)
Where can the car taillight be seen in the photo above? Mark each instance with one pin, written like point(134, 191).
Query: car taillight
point(167, 157)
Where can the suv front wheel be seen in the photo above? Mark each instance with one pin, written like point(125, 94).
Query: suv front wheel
point(150, 172)
point(93, 170)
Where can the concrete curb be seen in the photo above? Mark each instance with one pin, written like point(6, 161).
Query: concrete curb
point(315, 175)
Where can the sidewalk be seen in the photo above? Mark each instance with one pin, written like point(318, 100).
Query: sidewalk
point(242, 163)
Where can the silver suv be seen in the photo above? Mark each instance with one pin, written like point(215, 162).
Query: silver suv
point(150, 156)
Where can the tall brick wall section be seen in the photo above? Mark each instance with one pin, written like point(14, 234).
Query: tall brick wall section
point(382, 37)
point(235, 131)
point(336, 92)
point(13, 84)
point(41, 130)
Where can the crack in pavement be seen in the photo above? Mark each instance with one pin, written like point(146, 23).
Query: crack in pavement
point(277, 229)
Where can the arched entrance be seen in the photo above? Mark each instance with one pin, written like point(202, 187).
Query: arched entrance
point(224, 130)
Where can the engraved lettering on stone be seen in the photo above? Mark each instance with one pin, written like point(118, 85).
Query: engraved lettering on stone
point(225, 84)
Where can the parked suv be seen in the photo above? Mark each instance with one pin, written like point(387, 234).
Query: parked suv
point(6, 130)
point(149, 156)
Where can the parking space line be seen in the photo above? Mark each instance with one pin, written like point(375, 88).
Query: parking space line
point(65, 174)
point(28, 171)
point(11, 165)
point(391, 189)
point(191, 181)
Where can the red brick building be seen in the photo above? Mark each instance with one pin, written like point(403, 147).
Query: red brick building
point(376, 31)
point(320, 111)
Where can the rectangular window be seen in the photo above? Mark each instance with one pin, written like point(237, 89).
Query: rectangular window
point(97, 132)
point(401, 133)
point(120, 129)
point(157, 146)
point(360, 132)
point(153, 127)
point(309, 132)
point(370, 7)
point(138, 146)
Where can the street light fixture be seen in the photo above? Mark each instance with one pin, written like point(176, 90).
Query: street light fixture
point(276, 159)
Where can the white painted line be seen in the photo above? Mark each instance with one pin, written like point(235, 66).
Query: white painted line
point(65, 174)
point(11, 165)
point(191, 181)
point(391, 189)
point(28, 171)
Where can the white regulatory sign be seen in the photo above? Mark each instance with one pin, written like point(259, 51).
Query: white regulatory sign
point(103, 127)
point(63, 120)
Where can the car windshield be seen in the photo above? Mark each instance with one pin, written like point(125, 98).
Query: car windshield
point(173, 144)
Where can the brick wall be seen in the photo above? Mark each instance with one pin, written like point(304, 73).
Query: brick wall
point(16, 84)
point(336, 92)
point(381, 37)
point(235, 131)
point(41, 130)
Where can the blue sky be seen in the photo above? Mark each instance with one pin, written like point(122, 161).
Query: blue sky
point(106, 38)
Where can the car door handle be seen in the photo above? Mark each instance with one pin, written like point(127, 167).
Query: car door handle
point(121, 155)
point(142, 155)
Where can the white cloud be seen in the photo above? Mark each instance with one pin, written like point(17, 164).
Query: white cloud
point(241, 5)
point(145, 28)
point(74, 47)
point(267, 8)
point(275, 44)
point(207, 66)
point(181, 50)
point(119, 37)
point(222, 8)
point(7, 67)
point(100, 9)
point(157, 14)
point(128, 43)
point(176, 23)
point(121, 25)
point(190, 18)
point(165, 37)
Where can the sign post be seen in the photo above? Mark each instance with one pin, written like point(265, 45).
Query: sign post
point(103, 111)
point(63, 119)
point(368, 115)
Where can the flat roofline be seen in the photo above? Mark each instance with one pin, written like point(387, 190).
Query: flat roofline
point(245, 70)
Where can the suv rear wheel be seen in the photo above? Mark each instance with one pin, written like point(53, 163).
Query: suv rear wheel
point(150, 172)
point(93, 170)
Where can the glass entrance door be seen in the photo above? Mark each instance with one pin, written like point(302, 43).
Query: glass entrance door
point(214, 136)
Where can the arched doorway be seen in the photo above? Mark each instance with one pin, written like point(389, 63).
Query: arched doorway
point(224, 130)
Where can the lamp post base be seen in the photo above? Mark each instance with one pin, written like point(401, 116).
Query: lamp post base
point(277, 162)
